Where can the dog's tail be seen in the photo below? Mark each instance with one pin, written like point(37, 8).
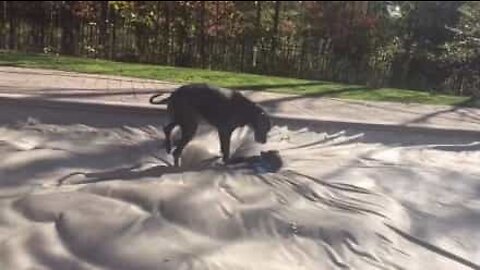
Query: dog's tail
point(162, 101)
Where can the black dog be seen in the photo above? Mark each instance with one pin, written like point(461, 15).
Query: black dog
point(224, 109)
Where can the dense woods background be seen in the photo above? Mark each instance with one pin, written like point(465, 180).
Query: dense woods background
point(432, 46)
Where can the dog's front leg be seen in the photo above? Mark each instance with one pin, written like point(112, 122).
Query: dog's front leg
point(225, 136)
point(167, 130)
point(188, 131)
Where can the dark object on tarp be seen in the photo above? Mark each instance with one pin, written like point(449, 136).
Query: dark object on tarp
point(267, 161)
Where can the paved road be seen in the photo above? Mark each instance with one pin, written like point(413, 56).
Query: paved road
point(102, 89)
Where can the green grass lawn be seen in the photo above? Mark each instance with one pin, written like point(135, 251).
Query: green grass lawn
point(227, 79)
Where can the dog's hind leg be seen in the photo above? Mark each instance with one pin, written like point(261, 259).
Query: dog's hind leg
point(167, 130)
point(188, 132)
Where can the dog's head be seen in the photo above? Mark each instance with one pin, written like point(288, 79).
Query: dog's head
point(261, 126)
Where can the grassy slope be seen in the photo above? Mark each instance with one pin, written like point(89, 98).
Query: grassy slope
point(226, 79)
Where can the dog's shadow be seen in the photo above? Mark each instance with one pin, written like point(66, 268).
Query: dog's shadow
point(266, 162)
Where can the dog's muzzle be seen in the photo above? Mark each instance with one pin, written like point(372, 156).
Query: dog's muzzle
point(261, 139)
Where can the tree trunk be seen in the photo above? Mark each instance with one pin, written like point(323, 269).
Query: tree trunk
point(51, 23)
point(113, 20)
point(202, 34)
point(257, 34)
point(167, 32)
point(68, 26)
point(3, 33)
point(103, 29)
point(276, 19)
point(12, 40)
point(258, 23)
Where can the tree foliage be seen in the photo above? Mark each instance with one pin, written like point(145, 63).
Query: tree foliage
point(429, 45)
